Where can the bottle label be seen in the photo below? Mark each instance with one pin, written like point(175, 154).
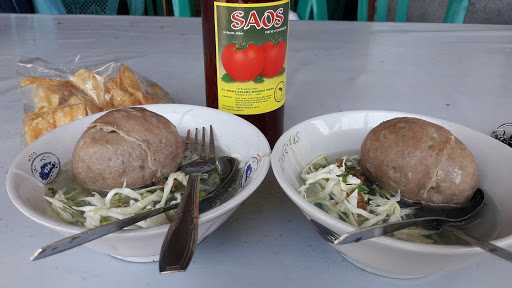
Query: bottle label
point(251, 56)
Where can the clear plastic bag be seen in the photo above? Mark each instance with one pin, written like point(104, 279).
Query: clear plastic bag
point(56, 94)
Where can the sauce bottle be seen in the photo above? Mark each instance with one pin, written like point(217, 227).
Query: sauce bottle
point(245, 60)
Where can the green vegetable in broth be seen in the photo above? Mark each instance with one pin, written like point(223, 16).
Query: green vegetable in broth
point(341, 190)
point(76, 205)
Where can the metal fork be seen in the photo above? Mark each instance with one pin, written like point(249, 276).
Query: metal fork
point(367, 233)
point(181, 238)
point(326, 233)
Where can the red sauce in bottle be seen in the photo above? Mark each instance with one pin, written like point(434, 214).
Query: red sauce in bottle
point(245, 59)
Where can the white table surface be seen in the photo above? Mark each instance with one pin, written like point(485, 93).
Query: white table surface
point(457, 72)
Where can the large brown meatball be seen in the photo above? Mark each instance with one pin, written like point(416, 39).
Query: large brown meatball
point(132, 145)
point(422, 160)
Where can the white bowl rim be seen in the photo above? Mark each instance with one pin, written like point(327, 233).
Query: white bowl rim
point(207, 216)
point(311, 209)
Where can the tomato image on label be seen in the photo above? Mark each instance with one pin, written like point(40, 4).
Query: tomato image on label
point(243, 64)
point(275, 56)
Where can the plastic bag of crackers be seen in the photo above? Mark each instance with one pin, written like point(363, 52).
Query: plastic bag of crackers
point(57, 95)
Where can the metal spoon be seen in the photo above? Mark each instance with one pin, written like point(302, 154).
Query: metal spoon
point(227, 167)
point(444, 218)
point(424, 215)
point(181, 239)
point(229, 171)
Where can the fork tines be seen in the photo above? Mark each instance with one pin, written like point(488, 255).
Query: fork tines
point(205, 153)
point(212, 144)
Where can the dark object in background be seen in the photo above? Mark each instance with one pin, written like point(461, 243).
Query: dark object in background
point(122, 9)
point(503, 134)
point(337, 10)
point(346, 11)
point(16, 6)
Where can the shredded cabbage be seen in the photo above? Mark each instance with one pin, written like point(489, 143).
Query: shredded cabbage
point(92, 210)
point(338, 189)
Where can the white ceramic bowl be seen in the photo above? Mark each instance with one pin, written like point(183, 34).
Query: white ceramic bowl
point(341, 132)
point(25, 181)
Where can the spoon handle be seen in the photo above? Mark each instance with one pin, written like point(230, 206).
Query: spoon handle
point(484, 245)
point(381, 230)
point(95, 233)
point(181, 238)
